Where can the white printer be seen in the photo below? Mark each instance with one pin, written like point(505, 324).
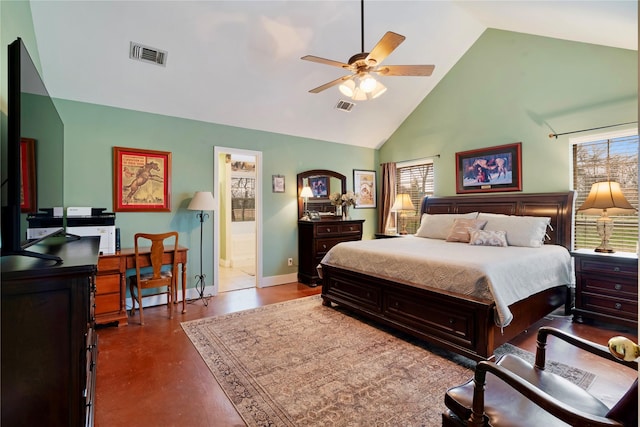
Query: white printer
point(94, 222)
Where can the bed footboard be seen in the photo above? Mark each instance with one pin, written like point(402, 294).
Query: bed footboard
point(459, 324)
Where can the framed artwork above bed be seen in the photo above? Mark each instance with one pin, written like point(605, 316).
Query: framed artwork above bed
point(489, 169)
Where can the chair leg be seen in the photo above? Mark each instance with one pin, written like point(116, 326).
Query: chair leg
point(170, 301)
point(133, 299)
point(140, 305)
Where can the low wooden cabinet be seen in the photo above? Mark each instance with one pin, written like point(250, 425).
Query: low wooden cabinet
point(315, 238)
point(606, 287)
point(49, 344)
point(110, 290)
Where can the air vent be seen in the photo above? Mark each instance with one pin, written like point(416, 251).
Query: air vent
point(147, 54)
point(345, 106)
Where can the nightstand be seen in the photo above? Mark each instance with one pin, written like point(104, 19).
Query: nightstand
point(606, 287)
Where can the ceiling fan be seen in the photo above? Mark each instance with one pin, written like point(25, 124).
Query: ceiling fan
point(360, 85)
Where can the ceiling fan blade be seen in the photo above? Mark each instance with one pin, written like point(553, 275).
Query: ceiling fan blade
point(330, 84)
point(385, 46)
point(405, 70)
point(325, 61)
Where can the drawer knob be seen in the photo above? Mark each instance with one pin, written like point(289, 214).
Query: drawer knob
point(396, 304)
point(328, 230)
point(618, 306)
point(617, 286)
point(324, 246)
point(452, 321)
point(616, 269)
point(350, 228)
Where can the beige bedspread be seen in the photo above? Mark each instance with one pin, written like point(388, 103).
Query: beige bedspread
point(501, 274)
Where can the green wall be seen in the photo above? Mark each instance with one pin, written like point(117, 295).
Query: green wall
point(92, 130)
point(512, 87)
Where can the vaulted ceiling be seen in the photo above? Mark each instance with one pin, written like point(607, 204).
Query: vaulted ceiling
point(238, 62)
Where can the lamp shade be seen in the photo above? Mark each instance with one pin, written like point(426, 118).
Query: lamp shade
point(202, 201)
point(606, 195)
point(403, 203)
point(306, 192)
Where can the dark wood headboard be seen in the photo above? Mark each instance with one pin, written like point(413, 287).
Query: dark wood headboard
point(557, 206)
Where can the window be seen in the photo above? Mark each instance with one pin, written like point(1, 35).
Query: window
point(608, 158)
point(243, 199)
point(415, 179)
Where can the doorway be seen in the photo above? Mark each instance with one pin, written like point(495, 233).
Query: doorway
point(237, 227)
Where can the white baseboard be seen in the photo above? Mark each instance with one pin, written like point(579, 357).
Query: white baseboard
point(192, 293)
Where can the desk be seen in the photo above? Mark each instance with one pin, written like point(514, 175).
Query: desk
point(111, 282)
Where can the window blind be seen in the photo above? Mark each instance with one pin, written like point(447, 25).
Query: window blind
point(614, 159)
point(417, 181)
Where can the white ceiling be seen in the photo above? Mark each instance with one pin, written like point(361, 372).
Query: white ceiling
point(238, 62)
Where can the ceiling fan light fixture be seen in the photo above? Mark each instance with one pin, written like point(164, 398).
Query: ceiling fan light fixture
point(348, 88)
point(368, 83)
point(378, 90)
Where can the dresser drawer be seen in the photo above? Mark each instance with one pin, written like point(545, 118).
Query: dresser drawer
point(323, 245)
point(327, 230)
point(608, 267)
point(109, 303)
point(108, 284)
point(351, 229)
point(107, 264)
point(604, 304)
point(612, 286)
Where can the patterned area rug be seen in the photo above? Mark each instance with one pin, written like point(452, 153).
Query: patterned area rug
point(299, 363)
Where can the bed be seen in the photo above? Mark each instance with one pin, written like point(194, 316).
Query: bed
point(472, 325)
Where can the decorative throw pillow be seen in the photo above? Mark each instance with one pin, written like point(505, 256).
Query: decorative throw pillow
point(488, 238)
point(462, 227)
point(526, 231)
point(437, 226)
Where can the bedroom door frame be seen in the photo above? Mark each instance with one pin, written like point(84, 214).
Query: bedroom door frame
point(217, 152)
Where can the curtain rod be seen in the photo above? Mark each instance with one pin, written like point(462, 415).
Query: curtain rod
point(437, 156)
point(556, 135)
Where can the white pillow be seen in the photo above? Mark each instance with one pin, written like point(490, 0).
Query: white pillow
point(526, 231)
point(437, 226)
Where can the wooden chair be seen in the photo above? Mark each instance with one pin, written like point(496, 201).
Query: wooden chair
point(163, 281)
point(519, 394)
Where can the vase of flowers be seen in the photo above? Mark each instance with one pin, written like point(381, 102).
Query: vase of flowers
point(336, 200)
point(348, 199)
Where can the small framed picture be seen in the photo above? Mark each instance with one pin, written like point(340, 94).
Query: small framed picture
point(489, 169)
point(364, 185)
point(277, 182)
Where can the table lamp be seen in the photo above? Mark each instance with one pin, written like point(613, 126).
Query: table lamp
point(403, 204)
point(606, 198)
point(202, 201)
point(305, 194)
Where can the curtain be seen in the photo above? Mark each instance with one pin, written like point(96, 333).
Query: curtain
point(388, 196)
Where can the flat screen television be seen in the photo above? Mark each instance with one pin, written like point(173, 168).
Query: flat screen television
point(32, 115)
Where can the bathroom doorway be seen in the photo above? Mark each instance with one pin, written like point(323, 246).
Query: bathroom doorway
point(237, 226)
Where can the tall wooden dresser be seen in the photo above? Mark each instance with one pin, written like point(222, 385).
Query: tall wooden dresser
point(49, 344)
point(315, 238)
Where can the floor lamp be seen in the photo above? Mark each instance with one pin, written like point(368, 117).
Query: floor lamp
point(202, 201)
